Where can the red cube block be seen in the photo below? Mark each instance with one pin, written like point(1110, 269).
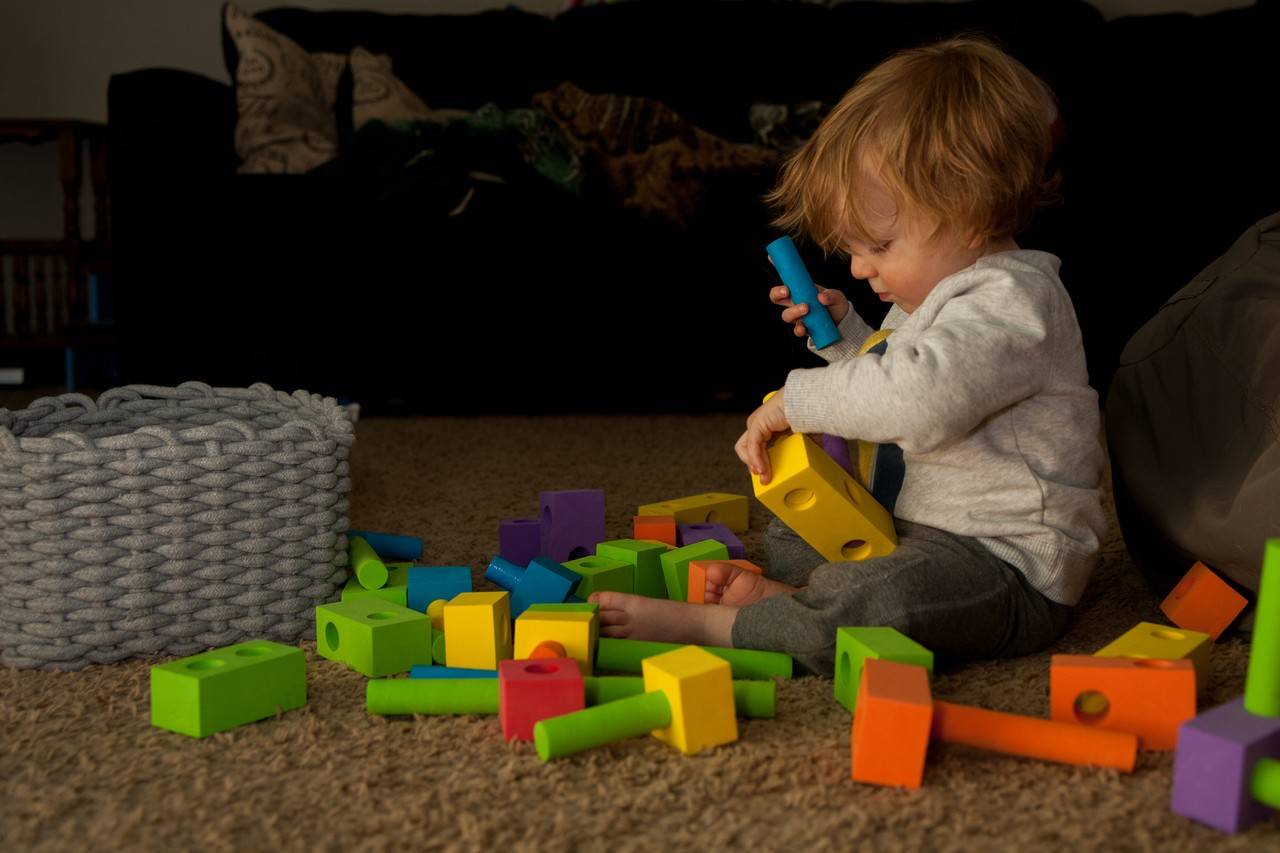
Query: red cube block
point(535, 689)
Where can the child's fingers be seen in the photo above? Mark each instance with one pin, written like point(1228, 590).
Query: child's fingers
point(794, 313)
point(799, 330)
point(780, 295)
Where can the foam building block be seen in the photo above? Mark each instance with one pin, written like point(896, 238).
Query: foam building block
point(519, 539)
point(697, 577)
point(688, 534)
point(615, 654)
point(366, 565)
point(1031, 737)
point(572, 522)
point(601, 573)
point(644, 558)
point(543, 581)
point(438, 649)
point(838, 449)
point(1202, 601)
point(548, 649)
point(801, 289)
point(433, 671)
point(1147, 697)
point(224, 688)
point(1219, 753)
point(390, 546)
point(823, 504)
point(396, 589)
point(576, 631)
point(753, 699)
point(1150, 640)
point(714, 507)
point(890, 731)
point(435, 610)
point(426, 584)
point(533, 690)
point(478, 628)
point(675, 565)
point(856, 645)
point(656, 528)
point(372, 636)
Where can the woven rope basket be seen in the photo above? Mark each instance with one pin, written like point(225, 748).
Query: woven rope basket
point(168, 521)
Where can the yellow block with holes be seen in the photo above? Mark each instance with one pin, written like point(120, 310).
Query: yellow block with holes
point(709, 508)
point(577, 631)
point(478, 625)
point(826, 507)
point(1152, 640)
point(699, 689)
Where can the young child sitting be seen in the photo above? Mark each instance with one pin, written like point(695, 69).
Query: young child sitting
point(923, 174)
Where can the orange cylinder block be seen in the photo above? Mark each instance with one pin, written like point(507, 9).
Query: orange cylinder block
point(1047, 740)
point(548, 649)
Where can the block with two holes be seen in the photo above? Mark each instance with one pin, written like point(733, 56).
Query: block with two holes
point(1150, 640)
point(372, 636)
point(714, 507)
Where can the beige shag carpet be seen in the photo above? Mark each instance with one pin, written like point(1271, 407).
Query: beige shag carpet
point(81, 767)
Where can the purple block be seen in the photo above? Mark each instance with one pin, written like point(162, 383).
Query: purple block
point(519, 539)
point(572, 523)
point(1217, 752)
point(687, 534)
point(838, 449)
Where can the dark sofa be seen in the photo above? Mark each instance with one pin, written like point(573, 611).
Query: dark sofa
point(536, 299)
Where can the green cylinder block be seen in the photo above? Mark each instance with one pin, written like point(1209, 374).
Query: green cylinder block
point(1265, 785)
point(618, 655)
point(754, 699)
point(1262, 683)
point(556, 737)
point(432, 696)
point(369, 569)
point(437, 648)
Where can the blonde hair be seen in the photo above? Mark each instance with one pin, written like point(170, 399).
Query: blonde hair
point(957, 129)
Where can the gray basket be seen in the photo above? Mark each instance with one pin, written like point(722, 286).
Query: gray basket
point(168, 521)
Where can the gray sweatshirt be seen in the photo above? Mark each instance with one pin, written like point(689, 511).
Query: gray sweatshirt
point(984, 387)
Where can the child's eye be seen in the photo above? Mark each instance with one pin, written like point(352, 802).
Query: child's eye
point(882, 248)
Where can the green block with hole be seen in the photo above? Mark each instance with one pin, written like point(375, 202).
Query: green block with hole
point(675, 565)
point(601, 573)
point(373, 636)
point(396, 590)
point(855, 645)
point(643, 555)
point(228, 687)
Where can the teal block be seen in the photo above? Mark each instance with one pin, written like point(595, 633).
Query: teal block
point(601, 573)
point(220, 689)
point(855, 645)
point(644, 556)
point(396, 590)
point(675, 565)
point(372, 636)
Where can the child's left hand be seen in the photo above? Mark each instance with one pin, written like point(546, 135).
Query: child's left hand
point(765, 422)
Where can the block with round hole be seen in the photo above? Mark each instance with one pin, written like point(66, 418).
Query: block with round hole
point(602, 573)
point(1148, 697)
point(826, 507)
point(722, 507)
point(519, 539)
point(533, 690)
point(1202, 601)
point(571, 522)
point(646, 567)
point(854, 645)
point(675, 565)
point(372, 636)
point(575, 630)
point(478, 625)
point(1152, 640)
point(224, 688)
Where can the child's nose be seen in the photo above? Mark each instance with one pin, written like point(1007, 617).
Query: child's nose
point(862, 268)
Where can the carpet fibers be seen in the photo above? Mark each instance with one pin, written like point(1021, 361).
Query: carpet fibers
point(80, 765)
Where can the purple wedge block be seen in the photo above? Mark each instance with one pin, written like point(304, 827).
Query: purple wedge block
point(519, 539)
point(687, 534)
point(1217, 752)
point(572, 523)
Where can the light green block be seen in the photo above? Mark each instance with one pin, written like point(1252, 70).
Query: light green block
point(220, 689)
point(437, 648)
point(396, 590)
point(855, 645)
point(365, 564)
point(601, 573)
point(1262, 681)
point(372, 636)
point(675, 565)
point(583, 607)
point(644, 557)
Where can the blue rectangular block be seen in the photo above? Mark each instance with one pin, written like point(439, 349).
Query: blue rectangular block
point(451, 672)
point(427, 583)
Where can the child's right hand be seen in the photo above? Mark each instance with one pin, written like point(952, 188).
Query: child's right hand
point(837, 303)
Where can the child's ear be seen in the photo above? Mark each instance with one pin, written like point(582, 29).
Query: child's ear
point(977, 239)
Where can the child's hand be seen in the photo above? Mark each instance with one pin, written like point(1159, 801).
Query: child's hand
point(837, 303)
point(763, 423)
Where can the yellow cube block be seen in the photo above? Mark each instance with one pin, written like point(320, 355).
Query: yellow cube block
point(478, 625)
point(576, 631)
point(699, 688)
point(712, 507)
point(1151, 640)
point(823, 504)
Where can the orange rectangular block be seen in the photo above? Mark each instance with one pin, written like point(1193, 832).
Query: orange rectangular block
point(1148, 697)
point(659, 528)
point(698, 576)
point(1031, 737)
point(1202, 601)
point(891, 724)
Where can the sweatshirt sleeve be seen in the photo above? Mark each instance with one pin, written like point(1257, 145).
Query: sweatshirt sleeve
point(853, 331)
point(985, 349)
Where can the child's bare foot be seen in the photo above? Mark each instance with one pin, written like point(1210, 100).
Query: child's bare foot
point(734, 586)
point(638, 617)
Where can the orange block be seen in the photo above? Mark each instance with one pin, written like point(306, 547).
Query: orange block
point(1032, 737)
point(891, 724)
point(659, 528)
point(548, 649)
point(1148, 697)
point(1202, 601)
point(698, 576)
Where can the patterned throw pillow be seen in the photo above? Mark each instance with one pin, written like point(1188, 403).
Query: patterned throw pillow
point(379, 95)
point(284, 99)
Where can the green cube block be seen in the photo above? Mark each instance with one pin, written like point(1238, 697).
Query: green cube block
point(675, 564)
point(372, 636)
point(855, 645)
point(643, 555)
point(601, 573)
point(396, 590)
point(223, 688)
point(583, 607)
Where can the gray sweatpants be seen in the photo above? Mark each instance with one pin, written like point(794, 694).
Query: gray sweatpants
point(946, 592)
